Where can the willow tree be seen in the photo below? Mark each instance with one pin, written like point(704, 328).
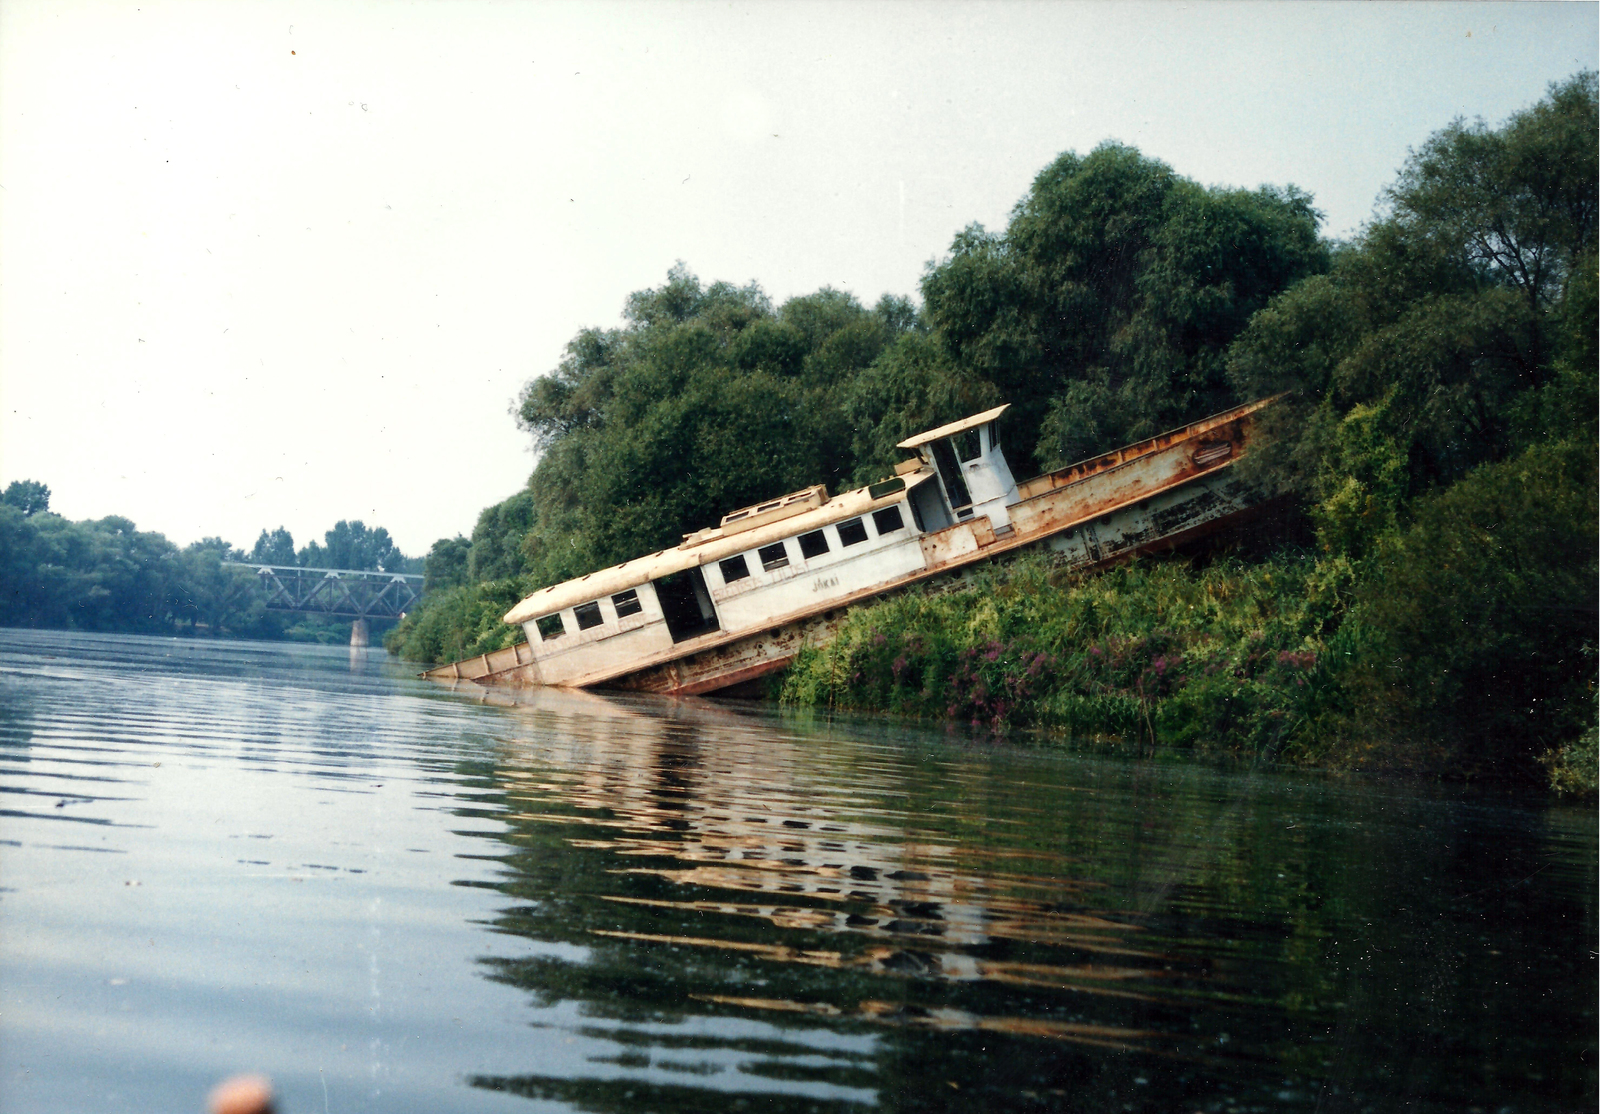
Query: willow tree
point(1105, 310)
point(708, 398)
point(1458, 328)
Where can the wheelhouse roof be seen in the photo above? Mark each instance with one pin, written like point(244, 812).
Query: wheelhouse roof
point(954, 427)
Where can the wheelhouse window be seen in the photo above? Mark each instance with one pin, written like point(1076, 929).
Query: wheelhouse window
point(550, 627)
point(967, 446)
point(853, 532)
point(814, 544)
point(627, 603)
point(888, 520)
point(773, 556)
point(734, 568)
point(588, 615)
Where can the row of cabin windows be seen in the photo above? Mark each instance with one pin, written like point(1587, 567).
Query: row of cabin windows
point(774, 556)
point(814, 544)
point(588, 615)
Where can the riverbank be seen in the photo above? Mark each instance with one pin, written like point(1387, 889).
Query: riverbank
point(1284, 659)
point(1458, 646)
point(1230, 658)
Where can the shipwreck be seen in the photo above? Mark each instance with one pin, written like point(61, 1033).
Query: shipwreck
point(736, 601)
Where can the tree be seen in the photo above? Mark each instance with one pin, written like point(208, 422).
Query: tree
point(276, 548)
point(446, 564)
point(1455, 330)
point(1441, 423)
point(28, 496)
point(708, 399)
point(92, 575)
point(1517, 204)
point(1483, 659)
point(912, 386)
point(350, 545)
point(496, 551)
point(215, 592)
point(1105, 310)
point(23, 598)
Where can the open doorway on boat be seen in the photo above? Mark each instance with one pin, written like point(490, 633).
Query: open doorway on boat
point(955, 487)
point(686, 605)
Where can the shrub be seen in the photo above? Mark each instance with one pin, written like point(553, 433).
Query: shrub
point(455, 623)
point(1228, 658)
point(1482, 614)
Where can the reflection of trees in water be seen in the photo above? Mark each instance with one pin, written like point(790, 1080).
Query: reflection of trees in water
point(810, 923)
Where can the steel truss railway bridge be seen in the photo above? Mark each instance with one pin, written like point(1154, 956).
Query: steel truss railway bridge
point(355, 594)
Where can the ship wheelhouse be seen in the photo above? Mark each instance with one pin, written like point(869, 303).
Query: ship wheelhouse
point(973, 476)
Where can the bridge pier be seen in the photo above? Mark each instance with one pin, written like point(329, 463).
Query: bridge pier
point(358, 634)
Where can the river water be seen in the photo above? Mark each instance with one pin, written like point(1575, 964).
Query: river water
point(389, 896)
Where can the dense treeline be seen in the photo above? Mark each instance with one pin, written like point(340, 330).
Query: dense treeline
point(1439, 428)
point(1438, 431)
point(349, 545)
point(106, 575)
point(1103, 312)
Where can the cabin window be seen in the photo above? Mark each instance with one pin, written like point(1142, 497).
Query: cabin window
point(773, 556)
point(853, 532)
point(627, 603)
point(994, 436)
point(814, 544)
point(733, 569)
point(588, 615)
point(967, 447)
point(551, 627)
point(888, 520)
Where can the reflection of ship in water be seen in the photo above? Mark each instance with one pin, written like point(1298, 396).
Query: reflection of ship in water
point(713, 865)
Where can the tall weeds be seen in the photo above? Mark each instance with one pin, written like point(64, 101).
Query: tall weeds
point(1230, 658)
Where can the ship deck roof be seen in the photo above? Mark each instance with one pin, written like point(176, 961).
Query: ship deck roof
point(707, 546)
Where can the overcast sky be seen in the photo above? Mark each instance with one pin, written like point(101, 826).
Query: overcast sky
point(281, 264)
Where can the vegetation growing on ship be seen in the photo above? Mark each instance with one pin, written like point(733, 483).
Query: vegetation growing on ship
point(1438, 430)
